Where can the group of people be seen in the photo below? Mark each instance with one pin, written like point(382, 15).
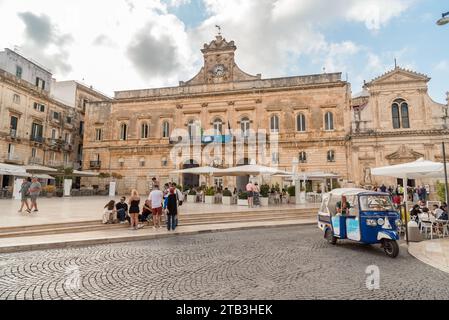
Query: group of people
point(253, 192)
point(420, 212)
point(160, 202)
point(30, 189)
point(419, 193)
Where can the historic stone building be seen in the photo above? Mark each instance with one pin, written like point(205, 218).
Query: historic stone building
point(395, 121)
point(311, 121)
point(306, 118)
point(38, 126)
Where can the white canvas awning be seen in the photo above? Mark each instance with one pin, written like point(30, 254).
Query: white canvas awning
point(85, 174)
point(200, 170)
point(39, 169)
point(420, 169)
point(249, 170)
point(11, 170)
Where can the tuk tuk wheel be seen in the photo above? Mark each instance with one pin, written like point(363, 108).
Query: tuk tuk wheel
point(391, 248)
point(331, 239)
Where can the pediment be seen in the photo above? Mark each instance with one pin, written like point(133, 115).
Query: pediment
point(403, 155)
point(399, 75)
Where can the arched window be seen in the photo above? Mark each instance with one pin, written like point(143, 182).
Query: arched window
point(331, 156)
point(301, 122)
point(329, 121)
point(245, 126)
point(400, 114)
point(165, 129)
point(274, 123)
point(123, 131)
point(218, 127)
point(144, 131)
point(302, 158)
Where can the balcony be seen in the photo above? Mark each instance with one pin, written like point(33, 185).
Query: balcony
point(13, 133)
point(95, 164)
point(67, 147)
point(37, 139)
point(35, 161)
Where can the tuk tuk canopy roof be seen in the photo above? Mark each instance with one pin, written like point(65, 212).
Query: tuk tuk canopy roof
point(348, 192)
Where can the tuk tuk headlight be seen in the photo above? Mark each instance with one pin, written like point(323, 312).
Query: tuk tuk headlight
point(371, 223)
point(398, 222)
point(380, 222)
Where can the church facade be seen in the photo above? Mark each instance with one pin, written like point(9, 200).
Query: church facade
point(225, 117)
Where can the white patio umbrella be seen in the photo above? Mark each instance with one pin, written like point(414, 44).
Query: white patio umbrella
point(413, 170)
point(200, 170)
point(249, 170)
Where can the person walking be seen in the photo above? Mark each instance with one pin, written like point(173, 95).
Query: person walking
point(156, 197)
point(250, 191)
point(25, 194)
point(35, 190)
point(134, 209)
point(172, 209)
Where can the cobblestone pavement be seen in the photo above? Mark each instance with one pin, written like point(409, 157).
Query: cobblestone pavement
point(282, 263)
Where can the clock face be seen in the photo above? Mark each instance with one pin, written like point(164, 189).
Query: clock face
point(219, 70)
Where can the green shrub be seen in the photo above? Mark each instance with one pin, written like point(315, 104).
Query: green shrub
point(291, 191)
point(227, 193)
point(210, 191)
point(243, 196)
point(264, 190)
point(441, 191)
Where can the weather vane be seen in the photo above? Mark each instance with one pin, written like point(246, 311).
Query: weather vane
point(219, 29)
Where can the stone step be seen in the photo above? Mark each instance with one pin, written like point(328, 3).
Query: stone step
point(184, 220)
point(185, 217)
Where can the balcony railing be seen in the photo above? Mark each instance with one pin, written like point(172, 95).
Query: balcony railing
point(35, 161)
point(13, 133)
point(95, 164)
point(13, 157)
point(37, 139)
point(55, 163)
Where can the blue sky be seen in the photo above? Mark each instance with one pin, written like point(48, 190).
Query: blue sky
point(154, 43)
point(412, 38)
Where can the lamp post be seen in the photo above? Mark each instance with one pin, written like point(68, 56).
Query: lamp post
point(445, 173)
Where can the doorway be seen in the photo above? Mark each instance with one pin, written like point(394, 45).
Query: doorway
point(190, 180)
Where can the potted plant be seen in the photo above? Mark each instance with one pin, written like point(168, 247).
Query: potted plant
point(191, 196)
point(209, 195)
point(292, 194)
point(243, 199)
point(49, 190)
point(264, 194)
point(60, 192)
point(227, 197)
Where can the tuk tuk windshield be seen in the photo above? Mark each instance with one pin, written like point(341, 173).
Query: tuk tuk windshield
point(376, 203)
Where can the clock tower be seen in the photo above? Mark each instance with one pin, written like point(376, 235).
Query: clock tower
point(219, 65)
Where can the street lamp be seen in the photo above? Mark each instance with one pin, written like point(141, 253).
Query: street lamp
point(444, 19)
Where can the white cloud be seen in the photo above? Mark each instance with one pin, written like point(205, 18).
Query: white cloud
point(129, 44)
point(443, 65)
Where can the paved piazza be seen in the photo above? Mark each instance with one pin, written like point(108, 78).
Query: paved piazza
point(281, 263)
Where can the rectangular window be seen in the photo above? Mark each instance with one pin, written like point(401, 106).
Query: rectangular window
point(40, 83)
point(98, 134)
point(36, 132)
point(16, 98)
point(39, 107)
point(13, 123)
point(33, 152)
point(69, 120)
point(85, 102)
point(56, 115)
point(275, 158)
point(81, 128)
point(19, 72)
